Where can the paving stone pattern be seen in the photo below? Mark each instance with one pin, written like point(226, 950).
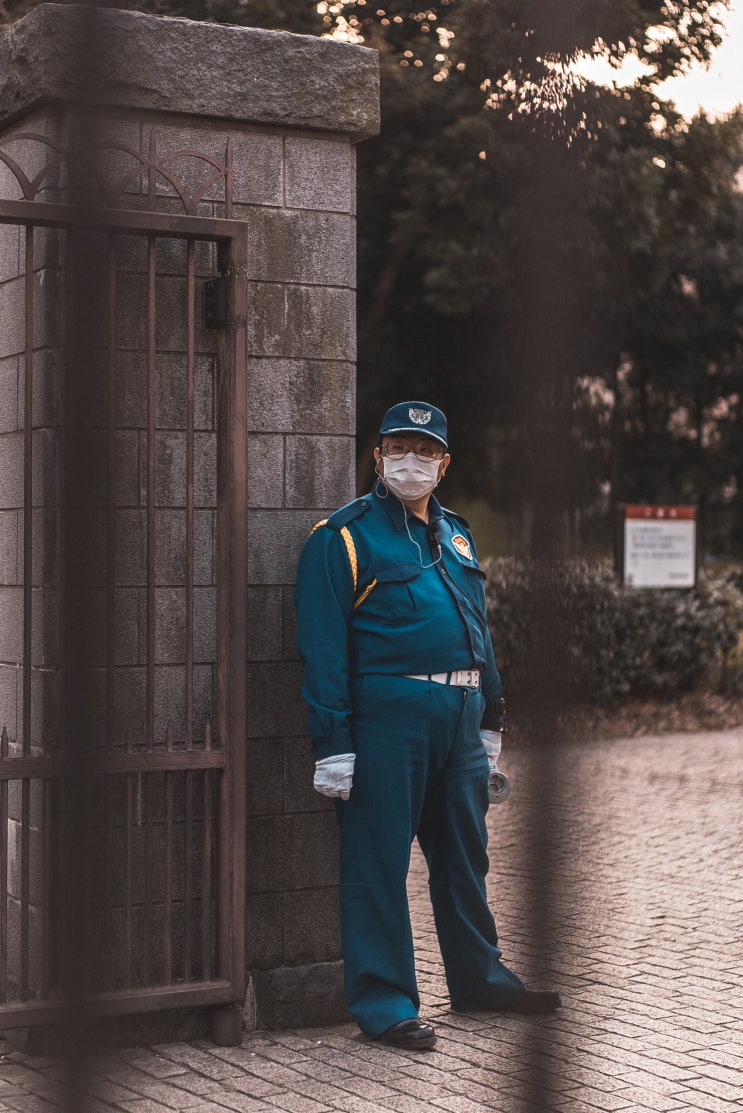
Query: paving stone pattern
point(631, 904)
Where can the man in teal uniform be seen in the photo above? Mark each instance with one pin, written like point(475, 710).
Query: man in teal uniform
point(405, 715)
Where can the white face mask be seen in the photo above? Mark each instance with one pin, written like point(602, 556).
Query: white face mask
point(410, 478)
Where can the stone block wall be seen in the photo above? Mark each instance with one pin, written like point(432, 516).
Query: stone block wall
point(296, 193)
point(292, 108)
point(301, 411)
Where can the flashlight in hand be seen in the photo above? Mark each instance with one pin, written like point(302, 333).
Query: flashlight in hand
point(499, 785)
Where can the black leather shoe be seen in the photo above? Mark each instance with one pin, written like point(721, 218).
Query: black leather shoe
point(533, 1001)
point(413, 1034)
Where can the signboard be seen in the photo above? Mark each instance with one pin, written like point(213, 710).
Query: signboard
point(660, 546)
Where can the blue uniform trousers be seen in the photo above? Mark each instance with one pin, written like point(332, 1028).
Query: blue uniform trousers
point(420, 770)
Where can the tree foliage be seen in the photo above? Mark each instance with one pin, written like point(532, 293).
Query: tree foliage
point(300, 16)
point(559, 265)
point(531, 246)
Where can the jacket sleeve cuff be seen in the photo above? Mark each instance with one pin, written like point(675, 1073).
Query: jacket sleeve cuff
point(332, 745)
point(492, 719)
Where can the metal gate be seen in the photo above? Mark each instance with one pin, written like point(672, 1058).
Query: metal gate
point(122, 582)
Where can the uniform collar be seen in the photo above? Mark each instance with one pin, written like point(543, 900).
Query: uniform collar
point(393, 506)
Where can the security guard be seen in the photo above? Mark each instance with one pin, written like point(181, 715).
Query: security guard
point(405, 711)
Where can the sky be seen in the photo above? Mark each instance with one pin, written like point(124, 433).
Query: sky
point(715, 91)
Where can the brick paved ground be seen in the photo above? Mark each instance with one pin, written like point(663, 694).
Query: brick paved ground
point(632, 905)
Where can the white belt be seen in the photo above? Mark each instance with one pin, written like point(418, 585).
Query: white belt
point(462, 678)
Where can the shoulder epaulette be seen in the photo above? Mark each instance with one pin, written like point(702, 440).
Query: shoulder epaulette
point(348, 513)
point(457, 517)
point(338, 522)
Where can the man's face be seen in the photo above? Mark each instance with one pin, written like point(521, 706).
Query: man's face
point(397, 445)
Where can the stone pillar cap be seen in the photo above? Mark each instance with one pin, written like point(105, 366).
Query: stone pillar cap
point(194, 69)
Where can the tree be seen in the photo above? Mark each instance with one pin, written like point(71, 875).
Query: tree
point(510, 225)
point(556, 264)
point(300, 16)
point(678, 379)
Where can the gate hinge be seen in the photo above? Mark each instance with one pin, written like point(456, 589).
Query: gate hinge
point(216, 302)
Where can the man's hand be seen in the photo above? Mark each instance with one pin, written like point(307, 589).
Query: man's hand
point(334, 775)
point(499, 785)
point(492, 740)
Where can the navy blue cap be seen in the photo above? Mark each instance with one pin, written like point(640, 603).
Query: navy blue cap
point(415, 417)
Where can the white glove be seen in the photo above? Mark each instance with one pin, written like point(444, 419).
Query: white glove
point(334, 775)
point(499, 785)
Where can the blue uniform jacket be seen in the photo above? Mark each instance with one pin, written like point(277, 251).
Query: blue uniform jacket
point(415, 619)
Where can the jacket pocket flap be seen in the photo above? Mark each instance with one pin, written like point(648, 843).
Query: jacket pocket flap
point(396, 573)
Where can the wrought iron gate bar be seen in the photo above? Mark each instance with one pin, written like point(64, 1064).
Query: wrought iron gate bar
point(168, 894)
point(111, 486)
point(46, 914)
point(25, 884)
point(105, 765)
point(147, 934)
point(28, 379)
point(3, 876)
point(206, 887)
point(50, 214)
point(28, 386)
point(108, 820)
point(217, 991)
point(190, 406)
point(232, 604)
point(187, 881)
point(151, 402)
point(129, 873)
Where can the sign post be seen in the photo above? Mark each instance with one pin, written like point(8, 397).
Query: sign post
point(658, 546)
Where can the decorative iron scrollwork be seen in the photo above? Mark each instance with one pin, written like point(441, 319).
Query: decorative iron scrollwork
point(85, 166)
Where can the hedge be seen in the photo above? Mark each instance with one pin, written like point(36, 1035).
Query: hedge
point(575, 624)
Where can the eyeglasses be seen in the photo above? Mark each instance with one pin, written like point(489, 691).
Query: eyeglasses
point(423, 450)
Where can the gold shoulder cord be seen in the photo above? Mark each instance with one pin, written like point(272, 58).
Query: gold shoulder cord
point(353, 560)
point(364, 594)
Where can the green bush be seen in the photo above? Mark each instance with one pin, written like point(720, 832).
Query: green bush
point(574, 627)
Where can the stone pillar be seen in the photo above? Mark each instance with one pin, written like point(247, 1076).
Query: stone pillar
point(292, 107)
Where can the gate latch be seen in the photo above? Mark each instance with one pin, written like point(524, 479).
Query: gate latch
point(216, 302)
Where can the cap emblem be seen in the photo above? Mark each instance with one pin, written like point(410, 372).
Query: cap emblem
point(420, 417)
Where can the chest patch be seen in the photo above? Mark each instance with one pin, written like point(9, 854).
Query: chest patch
point(462, 545)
